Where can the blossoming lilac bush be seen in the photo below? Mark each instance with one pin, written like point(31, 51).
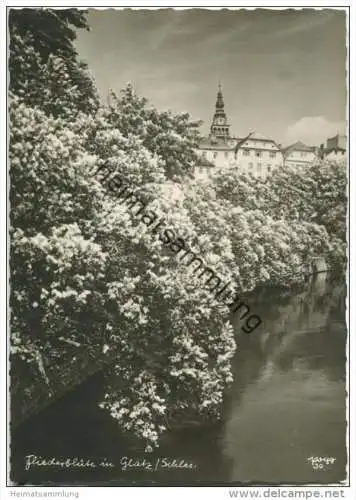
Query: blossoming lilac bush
point(83, 271)
point(280, 224)
point(99, 279)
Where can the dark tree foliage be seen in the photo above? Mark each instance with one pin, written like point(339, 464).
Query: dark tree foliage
point(45, 70)
point(52, 30)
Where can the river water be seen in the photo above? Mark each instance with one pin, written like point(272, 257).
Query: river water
point(286, 405)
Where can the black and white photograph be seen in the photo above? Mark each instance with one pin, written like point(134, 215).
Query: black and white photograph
point(178, 247)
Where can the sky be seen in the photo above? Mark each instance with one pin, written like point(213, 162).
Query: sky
point(283, 72)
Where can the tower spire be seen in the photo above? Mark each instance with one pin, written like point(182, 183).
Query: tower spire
point(220, 127)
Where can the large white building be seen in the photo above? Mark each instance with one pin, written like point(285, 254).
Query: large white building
point(299, 154)
point(254, 154)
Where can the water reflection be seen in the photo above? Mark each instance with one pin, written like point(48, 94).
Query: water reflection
point(287, 403)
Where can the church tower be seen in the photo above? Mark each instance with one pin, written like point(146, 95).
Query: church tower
point(219, 127)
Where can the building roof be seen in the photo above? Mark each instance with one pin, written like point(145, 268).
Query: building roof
point(299, 146)
point(255, 136)
point(233, 142)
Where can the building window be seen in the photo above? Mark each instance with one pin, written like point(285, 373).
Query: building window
point(259, 167)
point(269, 168)
point(226, 154)
point(272, 154)
point(303, 153)
point(246, 152)
point(250, 166)
point(204, 154)
point(215, 154)
point(258, 153)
